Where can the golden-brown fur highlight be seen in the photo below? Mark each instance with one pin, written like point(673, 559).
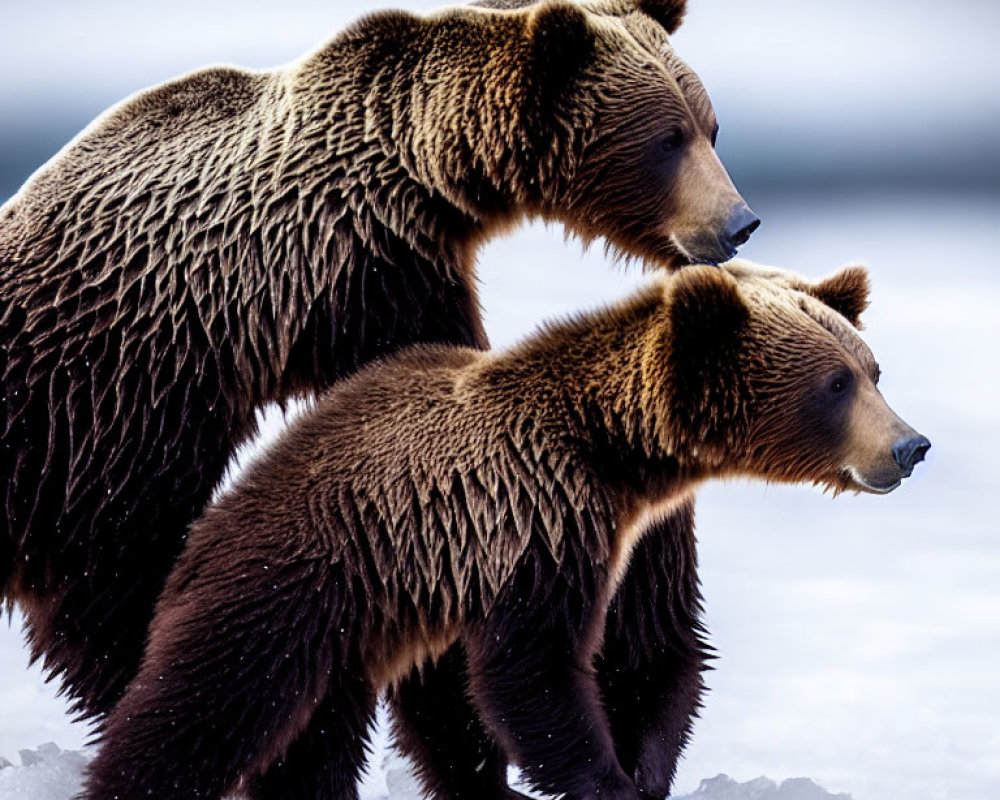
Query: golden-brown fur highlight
point(632, 525)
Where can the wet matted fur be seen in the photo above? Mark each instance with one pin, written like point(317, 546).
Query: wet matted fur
point(237, 237)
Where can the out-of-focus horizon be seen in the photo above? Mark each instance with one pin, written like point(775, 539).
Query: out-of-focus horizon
point(810, 95)
point(859, 638)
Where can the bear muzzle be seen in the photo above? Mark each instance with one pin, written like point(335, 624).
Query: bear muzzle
point(889, 470)
point(710, 220)
point(716, 245)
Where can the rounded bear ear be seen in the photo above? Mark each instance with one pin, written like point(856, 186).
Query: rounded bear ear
point(669, 13)
point(561, 42)
point(706, 309)
point(846, 292)
point(706, 395)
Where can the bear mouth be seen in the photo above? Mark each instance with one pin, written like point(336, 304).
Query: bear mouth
point(867, 486)
point(686, 256)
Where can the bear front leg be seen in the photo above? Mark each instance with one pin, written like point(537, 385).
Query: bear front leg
point(240, 658)
point(654, 653)
point(435, 725)
point(324, 761)
point(531, 679)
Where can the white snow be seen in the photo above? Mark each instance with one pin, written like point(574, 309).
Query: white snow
point(48, 773)
point(722, 787)
point(45, 773)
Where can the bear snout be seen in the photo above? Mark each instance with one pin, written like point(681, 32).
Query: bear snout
point(742, 222)
point(909, 451)
point(887, 473)
point(718, 242)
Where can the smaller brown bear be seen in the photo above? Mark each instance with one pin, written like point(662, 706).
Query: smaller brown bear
point(450, 495)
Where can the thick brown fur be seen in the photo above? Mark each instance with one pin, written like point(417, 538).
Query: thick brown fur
point(235, 237)
point(447, 495)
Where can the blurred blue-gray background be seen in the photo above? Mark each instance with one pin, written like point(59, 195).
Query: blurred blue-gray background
point(859, 637)
point(810, 95)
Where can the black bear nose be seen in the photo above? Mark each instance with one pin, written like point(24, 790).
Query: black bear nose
point(909, 452)
point(742, 222)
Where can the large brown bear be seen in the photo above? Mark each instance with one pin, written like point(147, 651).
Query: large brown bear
point(234, 238)
point(449, 495)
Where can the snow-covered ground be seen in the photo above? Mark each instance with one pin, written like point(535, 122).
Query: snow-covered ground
point(858, 636)
point(48, 773)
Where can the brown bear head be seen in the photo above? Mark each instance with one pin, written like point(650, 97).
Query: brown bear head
point(640, 167)
point(769, 378)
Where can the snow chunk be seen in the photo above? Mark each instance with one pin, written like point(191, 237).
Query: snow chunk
point(45, 773)
point(42, 753)
point(722, 787)
point(400, 781)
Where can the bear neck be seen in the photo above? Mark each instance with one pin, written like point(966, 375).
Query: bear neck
point(454, 111)
point(599, 379)
point(374, 222)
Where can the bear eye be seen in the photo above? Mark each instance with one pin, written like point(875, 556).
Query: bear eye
point(715, 134)
point(839, 384)
point(673, 141)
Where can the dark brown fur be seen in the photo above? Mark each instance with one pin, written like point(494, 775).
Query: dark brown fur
point(233, 238)
point(448, 495)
